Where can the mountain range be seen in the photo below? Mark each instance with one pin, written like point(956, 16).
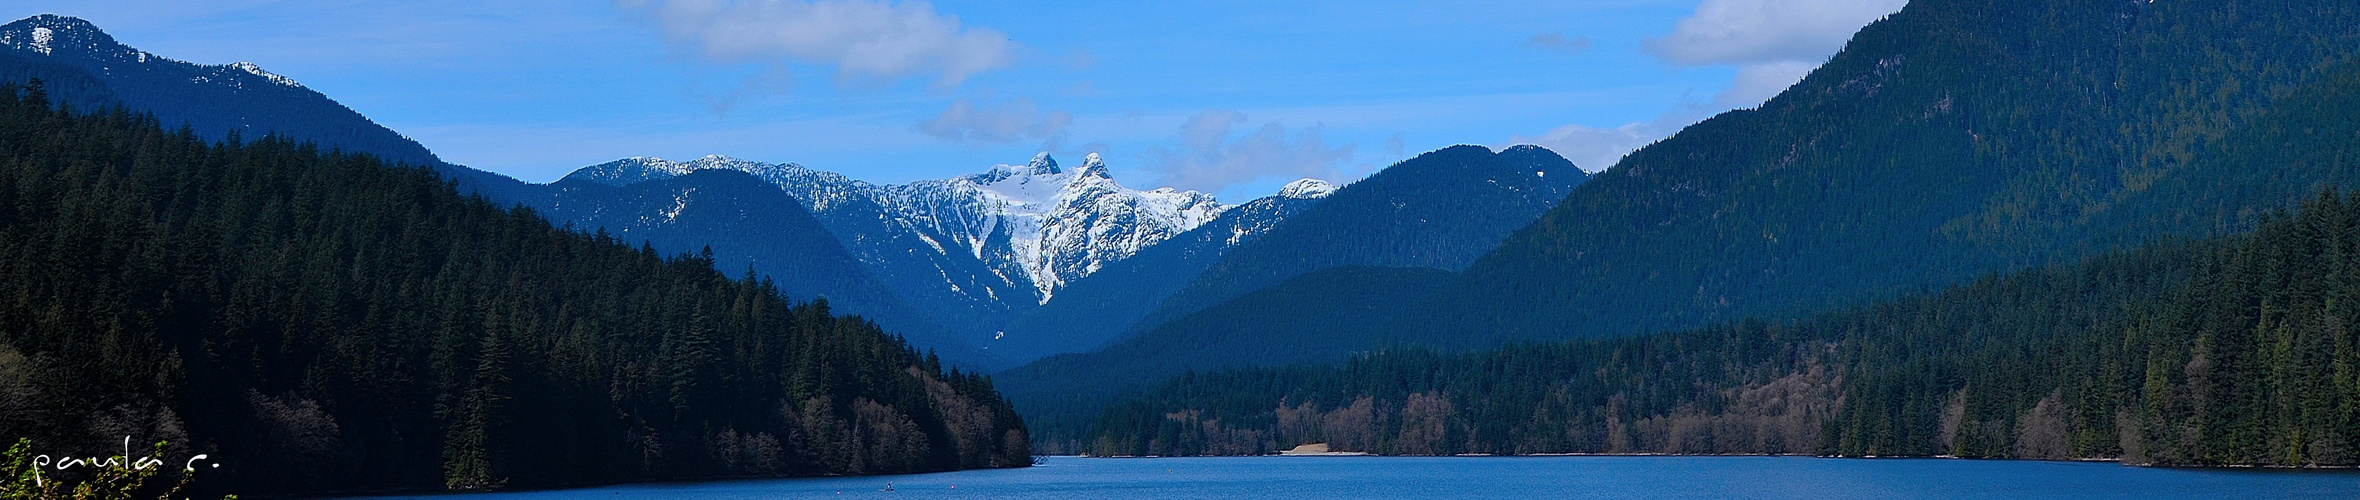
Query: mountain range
point(971, 254)
point(1987, 228)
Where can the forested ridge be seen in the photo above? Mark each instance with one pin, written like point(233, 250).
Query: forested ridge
point(2225, 350)
point(1320, 316)
point(327, 322)
point(1951, 139)
point(2236, 350)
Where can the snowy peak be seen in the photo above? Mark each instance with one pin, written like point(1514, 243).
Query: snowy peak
point(74, 39)
point(1094, 167)
point(626, 171)
point(55, 35)
point(1304, 189)
point(252, 69)
point(1042, 164)
point(1060, 225)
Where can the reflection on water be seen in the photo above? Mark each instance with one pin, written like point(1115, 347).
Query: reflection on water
point(1520, 477)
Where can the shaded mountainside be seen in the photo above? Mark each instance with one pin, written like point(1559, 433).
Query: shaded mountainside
point(94, 71)
point(952, 288)
point(1440, 210)
point(1095, 309)
point(1321, 316)
point(1951, 139)
point(749, 225)
point(2233, 351)
point(330, 323)
point(86, 69)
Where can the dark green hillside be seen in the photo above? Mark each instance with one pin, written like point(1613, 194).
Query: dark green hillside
point(2232, 351)
point(1440, 210)
point(1952, 139)
point(322, 322)
point(1321, 316)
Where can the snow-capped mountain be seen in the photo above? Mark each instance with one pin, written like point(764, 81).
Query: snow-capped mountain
point(1037, 226)
point(1059, 224)
point(1094, 309)
point(992, 255)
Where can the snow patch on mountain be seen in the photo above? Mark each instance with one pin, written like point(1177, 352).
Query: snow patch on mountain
point(252, 69)
point(40, 43)
point(1304, 189)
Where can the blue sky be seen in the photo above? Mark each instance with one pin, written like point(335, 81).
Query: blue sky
point(1231, 97)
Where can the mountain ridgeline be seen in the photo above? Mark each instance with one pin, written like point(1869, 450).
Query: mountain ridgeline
point(1951, 139)
point(1318, 285)
point(84, 68)
point(2234, 351)
point(325, 322)
point(1440, 210)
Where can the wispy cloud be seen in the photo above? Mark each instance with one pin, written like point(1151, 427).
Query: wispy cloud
point(1593, 148)
point(1773, 43)
point(984, 121)
point(1211, 155)
point(1756, 31)
point(863, 40)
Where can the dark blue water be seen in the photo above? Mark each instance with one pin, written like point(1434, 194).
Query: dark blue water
point(1521, 477)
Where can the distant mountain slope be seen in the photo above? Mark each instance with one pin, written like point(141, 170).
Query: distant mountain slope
point(1317, 317)
point(1952, 139)
point(84, 67)
point(948, 286)
point(1441, 210)
point(971, 252)
point(1093, 310)
point(213, 99)
point(750, 225)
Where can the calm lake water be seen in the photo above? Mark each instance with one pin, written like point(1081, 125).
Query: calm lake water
point(1520, 477)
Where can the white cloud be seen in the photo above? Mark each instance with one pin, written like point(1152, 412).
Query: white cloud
point(998, 122)
point(1211, 156)
point(1773, 43)
point(1760, 82)
point(1756, 31)
point(1591, 148)
point(862, 39)
point(1559, 43)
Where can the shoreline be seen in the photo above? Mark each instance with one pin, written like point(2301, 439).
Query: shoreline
point(713, 479)
point(2251, 467)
